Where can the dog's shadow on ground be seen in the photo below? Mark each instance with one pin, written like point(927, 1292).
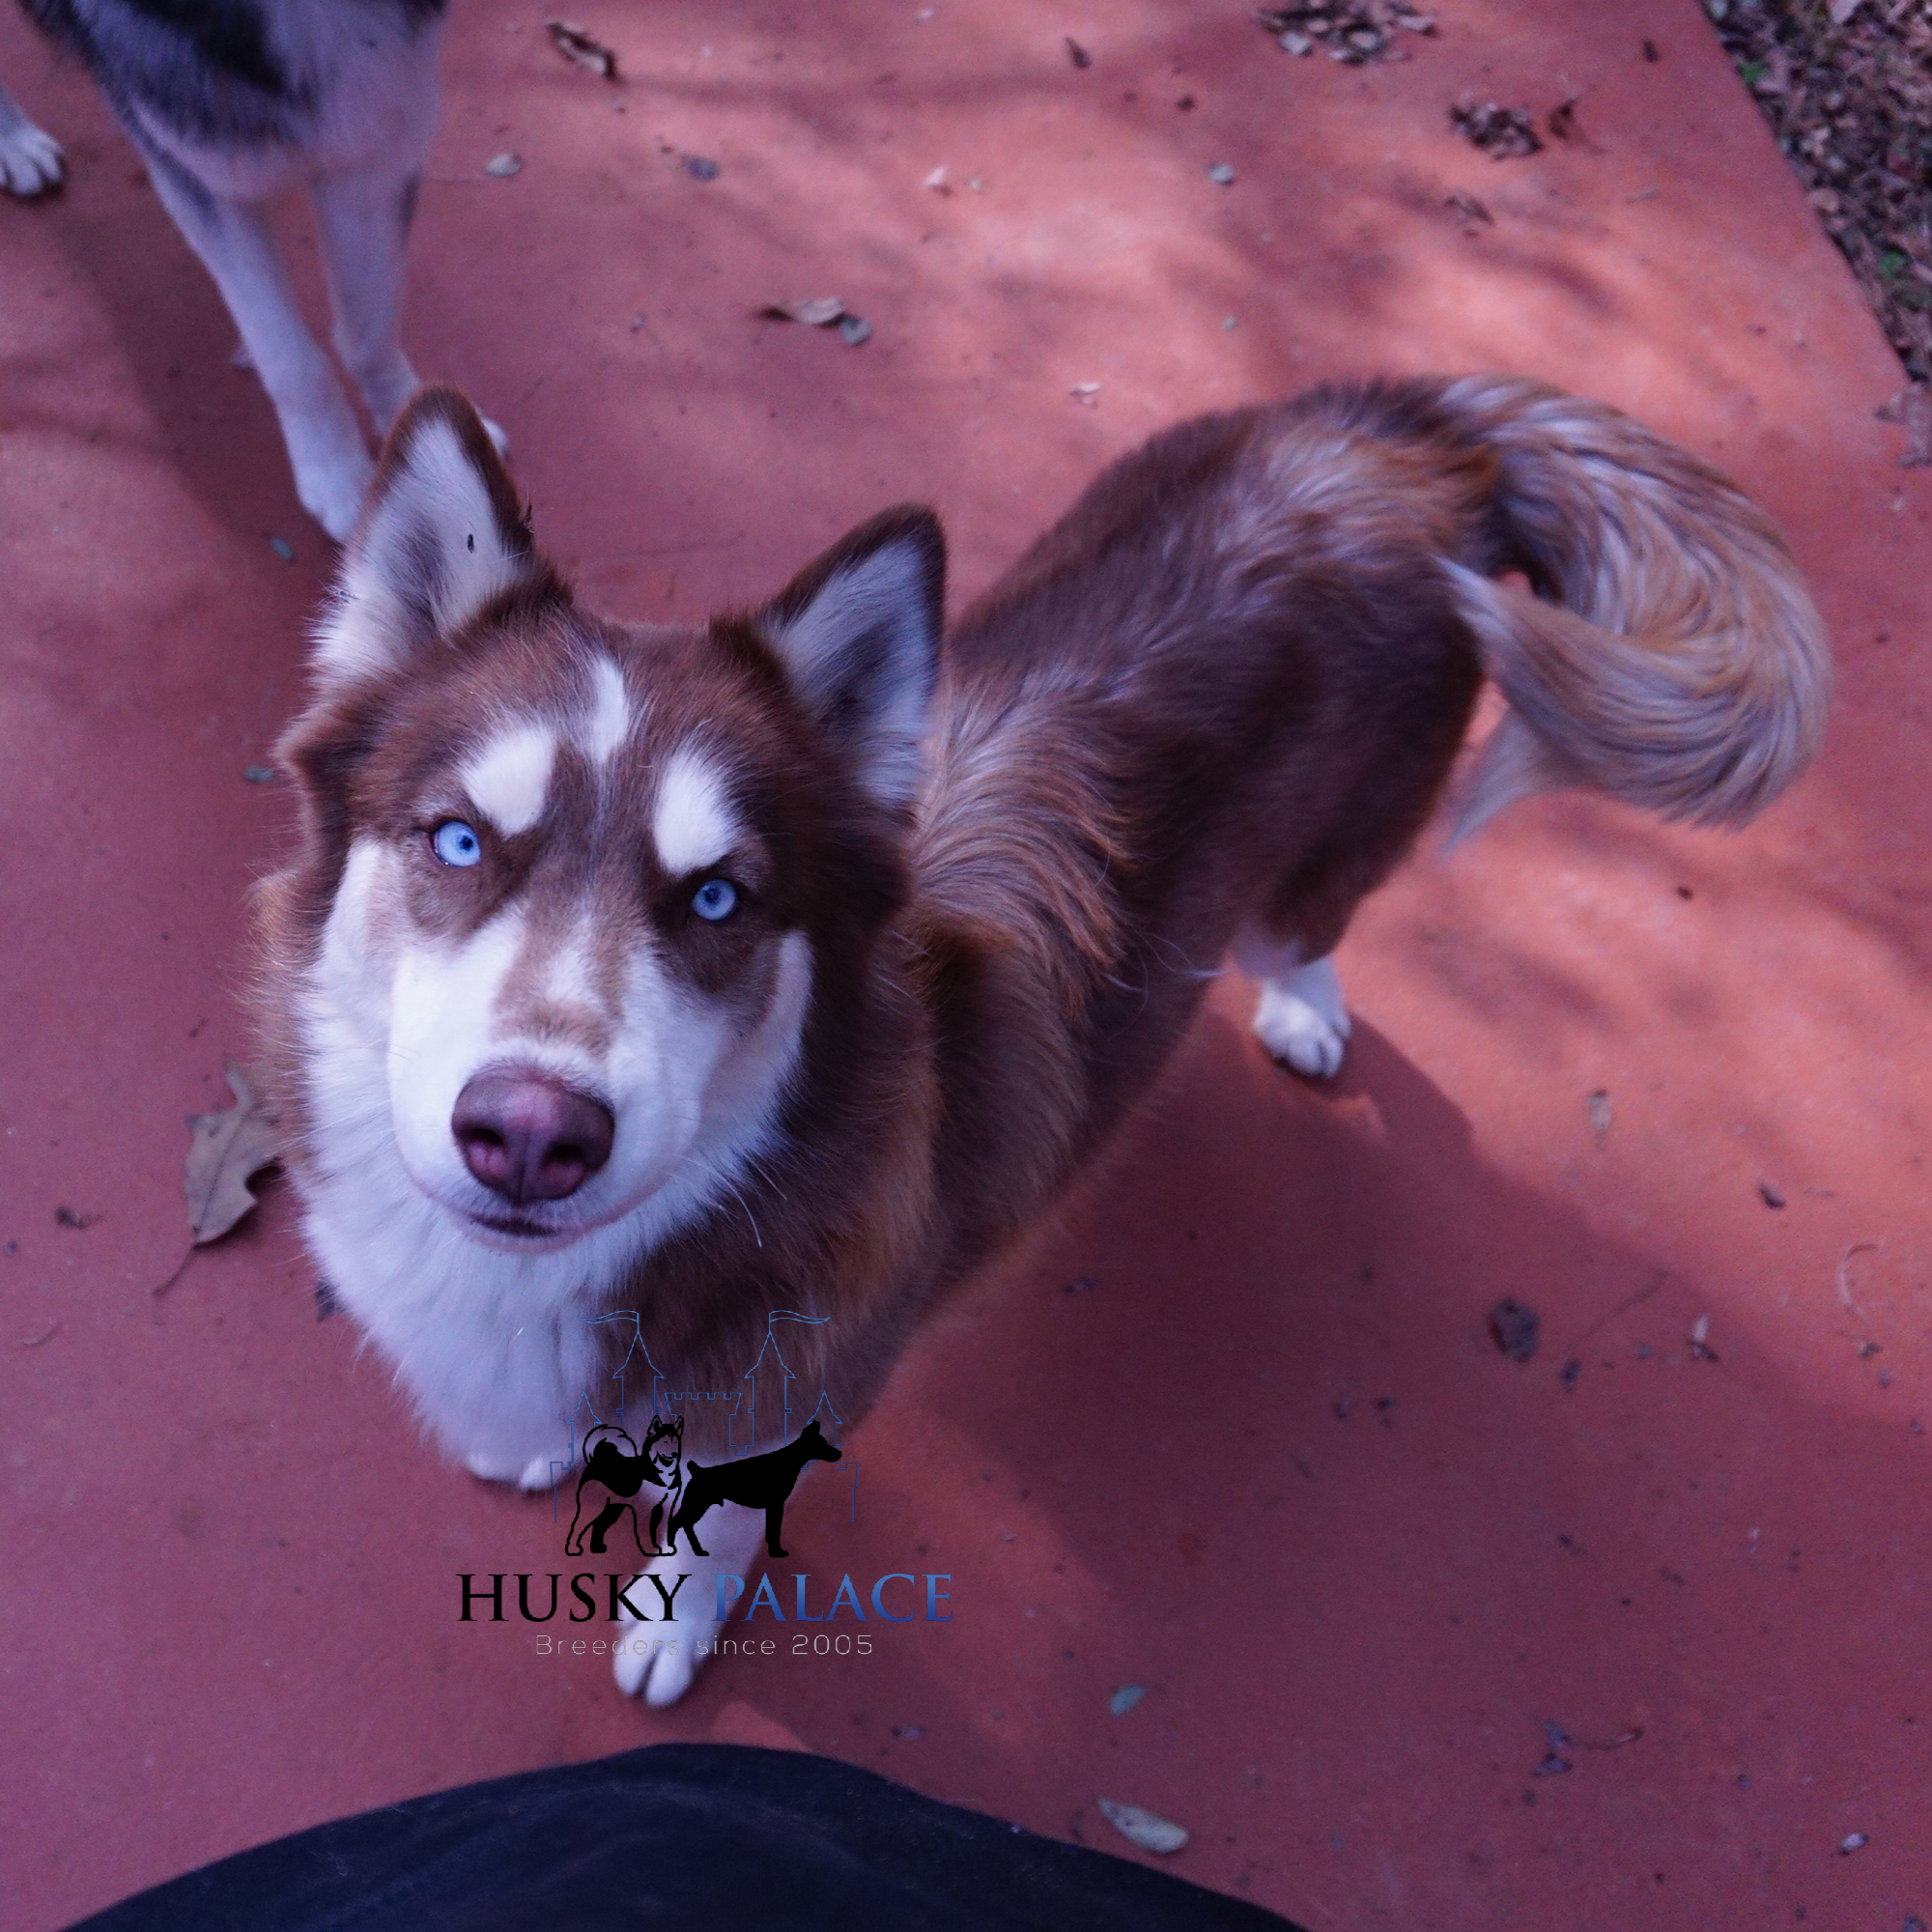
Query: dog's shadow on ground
point(1269, 1260)
point(1236, 1430)
point(212, 421)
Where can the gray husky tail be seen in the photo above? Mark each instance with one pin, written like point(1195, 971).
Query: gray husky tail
point(1671, 656)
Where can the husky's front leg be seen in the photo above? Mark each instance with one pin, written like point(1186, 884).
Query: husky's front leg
point(365, 219)
point(732, 1539)
point(324, 440)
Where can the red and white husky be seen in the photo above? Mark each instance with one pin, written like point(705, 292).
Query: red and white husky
point(798, 959)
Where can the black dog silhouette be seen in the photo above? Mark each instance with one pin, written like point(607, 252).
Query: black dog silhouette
point(621, 1475)
point(758, 1481)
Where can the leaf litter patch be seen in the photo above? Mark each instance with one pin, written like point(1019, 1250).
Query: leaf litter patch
point(1352, 32)
point(1846, 86)
point(1503, 133)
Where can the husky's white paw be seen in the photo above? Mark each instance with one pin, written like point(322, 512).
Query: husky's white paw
point(651, 1666)
point(662, 1658)
point(30, 157)
point(332, 469)
point(332, 492)
point(331, 460)
point(538, 1473)
point(1301, 1018)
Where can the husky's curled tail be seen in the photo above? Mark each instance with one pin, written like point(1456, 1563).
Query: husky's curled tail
point(1670, 655)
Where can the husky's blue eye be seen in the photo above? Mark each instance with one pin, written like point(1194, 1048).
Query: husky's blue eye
point(457, 843)
point(715, 899)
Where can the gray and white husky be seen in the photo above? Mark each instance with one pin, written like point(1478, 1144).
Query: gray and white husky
point(235, 101)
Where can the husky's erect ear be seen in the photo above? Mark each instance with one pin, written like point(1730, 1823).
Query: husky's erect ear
point(858, 633)
point(441, 537)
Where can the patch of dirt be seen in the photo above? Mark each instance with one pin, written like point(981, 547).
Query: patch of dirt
point(1847, 88)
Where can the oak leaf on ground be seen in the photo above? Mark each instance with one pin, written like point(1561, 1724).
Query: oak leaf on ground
point(225, 1152)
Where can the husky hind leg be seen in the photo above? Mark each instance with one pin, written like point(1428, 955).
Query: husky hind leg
point(1400, 765)
point(364, 217)
point(1300, 1016)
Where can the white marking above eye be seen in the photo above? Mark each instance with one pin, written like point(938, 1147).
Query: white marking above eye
point(693, 821)
point(509, 778)
point(610, 715)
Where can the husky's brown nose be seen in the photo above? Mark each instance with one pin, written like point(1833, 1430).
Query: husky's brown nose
point(528, 1136)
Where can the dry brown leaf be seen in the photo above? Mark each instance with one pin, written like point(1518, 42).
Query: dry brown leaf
point(575, 45)
point(1911, 408)
point(1146, 1829)
point(814, 311)
point(1517, 1328)
point(224, 1151)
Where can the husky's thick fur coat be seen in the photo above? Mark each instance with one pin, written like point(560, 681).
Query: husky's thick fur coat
point(233, 102)
point(796, 962)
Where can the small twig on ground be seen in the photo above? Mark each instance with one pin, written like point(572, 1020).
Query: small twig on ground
point(1845, 1279)
point(181, 1269)
point(1623, 1307)
point(1630, 1737)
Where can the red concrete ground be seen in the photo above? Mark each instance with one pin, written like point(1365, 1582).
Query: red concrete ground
point(1270, 1466)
